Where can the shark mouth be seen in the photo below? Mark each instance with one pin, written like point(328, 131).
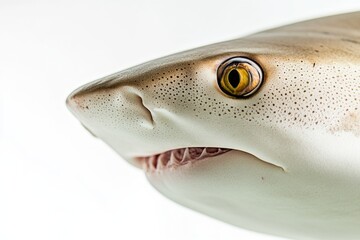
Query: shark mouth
point(178, 157)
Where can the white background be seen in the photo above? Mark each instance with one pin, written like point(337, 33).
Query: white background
point(57, 181)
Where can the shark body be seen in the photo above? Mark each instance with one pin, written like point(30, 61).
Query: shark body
point(284, 160)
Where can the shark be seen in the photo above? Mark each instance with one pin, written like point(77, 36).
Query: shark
point(261, 132)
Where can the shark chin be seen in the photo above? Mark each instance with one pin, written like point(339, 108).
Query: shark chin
point(249, 188)
point(238, 188)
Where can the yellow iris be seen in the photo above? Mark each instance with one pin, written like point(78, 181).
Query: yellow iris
point(235, 80)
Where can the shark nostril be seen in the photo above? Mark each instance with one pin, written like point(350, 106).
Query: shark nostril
point(147, 113)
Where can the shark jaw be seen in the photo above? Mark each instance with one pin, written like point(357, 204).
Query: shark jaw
point(185, 157)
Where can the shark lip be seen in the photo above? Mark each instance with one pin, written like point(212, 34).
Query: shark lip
point(178, 157)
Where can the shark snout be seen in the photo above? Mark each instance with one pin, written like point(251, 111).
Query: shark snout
point(104, 104)
point(112, 112)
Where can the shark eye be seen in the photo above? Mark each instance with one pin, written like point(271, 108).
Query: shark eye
point(239, 77)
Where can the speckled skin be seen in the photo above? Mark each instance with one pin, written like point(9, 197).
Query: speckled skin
point(295, 167)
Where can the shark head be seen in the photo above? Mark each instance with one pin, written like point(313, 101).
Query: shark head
point(279, 156)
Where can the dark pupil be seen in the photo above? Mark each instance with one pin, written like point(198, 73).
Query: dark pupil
point(234, 78)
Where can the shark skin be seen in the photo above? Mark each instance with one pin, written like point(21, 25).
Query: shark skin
point(284, 161)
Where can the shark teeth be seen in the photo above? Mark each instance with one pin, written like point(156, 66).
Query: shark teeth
point(178, 157)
